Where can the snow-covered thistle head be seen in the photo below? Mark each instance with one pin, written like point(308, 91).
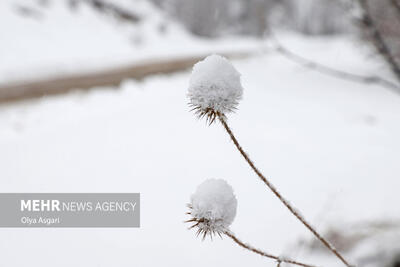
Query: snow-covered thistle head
point(212, 207)
point(214, 88)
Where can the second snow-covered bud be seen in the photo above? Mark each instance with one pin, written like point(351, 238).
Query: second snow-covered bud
point(213, 207)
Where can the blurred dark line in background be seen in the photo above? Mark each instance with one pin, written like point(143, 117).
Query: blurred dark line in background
point(111, 77)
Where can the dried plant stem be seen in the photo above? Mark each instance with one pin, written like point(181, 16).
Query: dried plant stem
point(280, 197)
point(262, 253)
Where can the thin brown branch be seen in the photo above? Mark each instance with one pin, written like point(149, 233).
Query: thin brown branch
point(378, 39)
point(277, 194)
point(331, 71)
point(262, 253)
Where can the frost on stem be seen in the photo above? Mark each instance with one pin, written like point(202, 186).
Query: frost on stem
point(212, 207)
point(214, 88)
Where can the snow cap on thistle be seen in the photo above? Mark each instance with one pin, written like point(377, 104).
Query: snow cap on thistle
point(214, 87)
point(212, 207)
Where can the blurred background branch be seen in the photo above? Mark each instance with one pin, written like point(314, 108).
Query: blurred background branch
point(284, 51)
point(377, 36)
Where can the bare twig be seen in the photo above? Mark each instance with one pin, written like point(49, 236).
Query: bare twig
point(275, 191)
point(331, 71)
point(378, 39)
point(262, 253)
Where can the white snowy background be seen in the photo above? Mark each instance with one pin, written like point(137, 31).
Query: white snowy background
point(330, 146)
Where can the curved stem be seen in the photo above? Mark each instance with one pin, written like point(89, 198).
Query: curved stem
point(280, 197)
point(262, 253)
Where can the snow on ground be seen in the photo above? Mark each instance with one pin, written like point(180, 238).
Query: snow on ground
point(56, 40)
point(330, 146)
